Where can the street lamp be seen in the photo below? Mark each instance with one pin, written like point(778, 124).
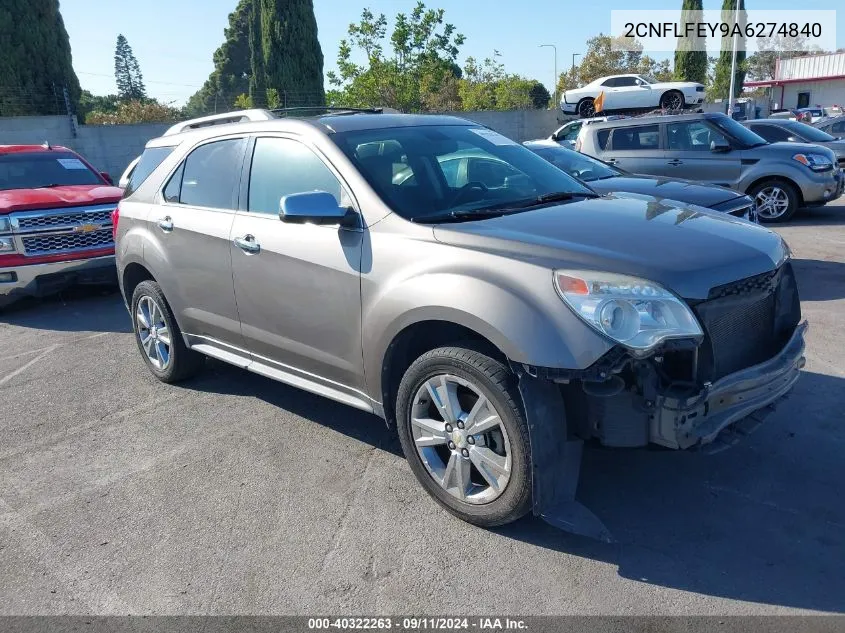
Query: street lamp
point(730, 112)
point(556, 76)
point(574, 55)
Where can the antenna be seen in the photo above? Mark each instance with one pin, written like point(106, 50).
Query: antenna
point(46, 145)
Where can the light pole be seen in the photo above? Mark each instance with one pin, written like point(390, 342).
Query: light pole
point(574, 55)
point(730, 112)
point(556, 75)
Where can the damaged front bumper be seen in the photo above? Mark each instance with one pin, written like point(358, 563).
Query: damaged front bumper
point(739, 399)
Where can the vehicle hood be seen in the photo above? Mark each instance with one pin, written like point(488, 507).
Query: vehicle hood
point(686, 249)
point(663, 85)
point(837, 146)
point(53, 197)
point(787, 148)
point(684, 191)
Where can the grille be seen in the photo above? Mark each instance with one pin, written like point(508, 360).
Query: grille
point(747, 322)
point(41, 244)
point(64, 219)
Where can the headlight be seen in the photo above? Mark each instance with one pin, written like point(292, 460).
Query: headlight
point(7, 245)
point(816, 162)
point(634, 312)
point(5, 224)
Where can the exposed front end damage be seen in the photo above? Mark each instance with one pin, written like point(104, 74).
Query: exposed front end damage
point(688, 394)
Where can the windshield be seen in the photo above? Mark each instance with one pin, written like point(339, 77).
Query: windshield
point(576, 164)
point(31, 170)
point(808, 132)
point(739, 132)
point(432, 171)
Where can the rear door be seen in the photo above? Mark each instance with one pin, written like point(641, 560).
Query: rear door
point(191, 228)
point(637, 148)
point(689, 156)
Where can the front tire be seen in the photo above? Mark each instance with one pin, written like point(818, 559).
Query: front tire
point(776, 200)
point(158, 336)
point(465, 435)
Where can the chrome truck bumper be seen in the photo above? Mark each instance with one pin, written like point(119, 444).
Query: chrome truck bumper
point(42, 279)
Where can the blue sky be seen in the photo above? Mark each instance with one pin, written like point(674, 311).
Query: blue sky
point(175, 39)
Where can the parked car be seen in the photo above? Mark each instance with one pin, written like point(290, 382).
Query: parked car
point(604, 179)
point(834, 125)
point(713, 148)
point(631, 92)
point(127, 173)
point(809, 115)
point(568, 132)
point(797, 132)
point(55, 221)
point(495, 325)
point(783, 114)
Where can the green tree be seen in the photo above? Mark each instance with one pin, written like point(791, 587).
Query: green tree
point(88, 103)
point(691, 55)
point(35, 59)
point(487, 86)
point(720, 87)
point(230, 77)
point(127, 72)
point(540, 96)
point(135, 111)
point(414, 69)
point(289, 58)
point(762, 64)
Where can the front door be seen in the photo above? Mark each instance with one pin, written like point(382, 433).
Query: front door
point(297, 286)
point(689, 155)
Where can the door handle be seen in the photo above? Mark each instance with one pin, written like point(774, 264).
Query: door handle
point(166, 224)
point(675, 162)
point(247, 244)
point(611, 161)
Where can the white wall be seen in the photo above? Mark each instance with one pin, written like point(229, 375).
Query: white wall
point(823, 93)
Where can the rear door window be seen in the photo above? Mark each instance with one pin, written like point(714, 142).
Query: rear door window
point(636, 138)
point(209, 176)
point(150, 160)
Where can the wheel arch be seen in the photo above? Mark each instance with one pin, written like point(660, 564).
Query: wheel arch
point(778, 178)
point(132, 275)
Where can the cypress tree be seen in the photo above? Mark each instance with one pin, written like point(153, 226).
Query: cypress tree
point(722, 76)
point(690, 65)
point(291, 57)
point(127, 72)
point(35, 59)
point(232, 67)
point(257, 74)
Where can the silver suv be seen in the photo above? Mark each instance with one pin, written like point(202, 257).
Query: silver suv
point(495, 313)
point(713, 148)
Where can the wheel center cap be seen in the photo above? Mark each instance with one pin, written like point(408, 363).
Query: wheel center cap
point(459, 438)
point(153, 332)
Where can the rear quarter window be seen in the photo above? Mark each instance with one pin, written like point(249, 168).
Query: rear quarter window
point(150, 159)
point(602, 137)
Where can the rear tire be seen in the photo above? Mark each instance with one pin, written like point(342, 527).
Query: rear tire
point(159, 338)
point(586, 108)
point(672, 100)
point(480, 471)
point(776, 200)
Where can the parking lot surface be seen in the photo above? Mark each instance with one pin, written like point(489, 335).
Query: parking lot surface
point(233, 494)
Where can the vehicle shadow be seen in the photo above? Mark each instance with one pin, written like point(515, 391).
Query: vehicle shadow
point(759, 522)
point(828, 215)
point(820, 279)
point(78, 309)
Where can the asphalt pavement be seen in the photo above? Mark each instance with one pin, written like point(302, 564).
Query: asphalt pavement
point(233, 494)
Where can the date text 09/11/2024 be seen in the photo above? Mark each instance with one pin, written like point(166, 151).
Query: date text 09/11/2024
point(419, 623)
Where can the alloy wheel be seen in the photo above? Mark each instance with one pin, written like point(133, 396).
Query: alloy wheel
point(153, 332)
point(673, 101)
point(461, 439)
point(772, 202)
point(587, 109)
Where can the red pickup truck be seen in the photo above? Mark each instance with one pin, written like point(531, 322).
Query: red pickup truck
point(55, 221)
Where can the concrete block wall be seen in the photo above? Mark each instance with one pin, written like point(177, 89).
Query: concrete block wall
point(111, 148)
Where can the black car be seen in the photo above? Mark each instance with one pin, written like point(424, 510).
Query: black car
point(780, 131)
point(605, 178)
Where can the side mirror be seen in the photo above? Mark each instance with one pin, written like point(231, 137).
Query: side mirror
point(107, 176)
point(719, 147)
point(316, 207)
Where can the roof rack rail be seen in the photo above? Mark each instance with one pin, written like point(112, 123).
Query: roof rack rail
point(329, 109)
point(224, 118)
point(661, 112)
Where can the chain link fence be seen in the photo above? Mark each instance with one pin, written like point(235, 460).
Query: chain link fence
point(16, 101)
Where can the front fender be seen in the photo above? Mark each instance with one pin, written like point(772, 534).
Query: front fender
point(529, 329)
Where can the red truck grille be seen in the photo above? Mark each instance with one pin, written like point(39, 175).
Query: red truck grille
point(53, 232)
point(49, 244)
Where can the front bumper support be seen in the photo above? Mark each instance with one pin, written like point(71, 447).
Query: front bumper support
point(685, 422)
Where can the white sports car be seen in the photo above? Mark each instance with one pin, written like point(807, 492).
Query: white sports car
point(632, 92)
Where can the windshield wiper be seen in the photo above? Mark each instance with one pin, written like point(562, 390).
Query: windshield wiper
point(496, 211)
point(50, 186)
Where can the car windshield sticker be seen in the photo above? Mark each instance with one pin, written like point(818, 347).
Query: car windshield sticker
point(71, 163)
point(493, 137)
